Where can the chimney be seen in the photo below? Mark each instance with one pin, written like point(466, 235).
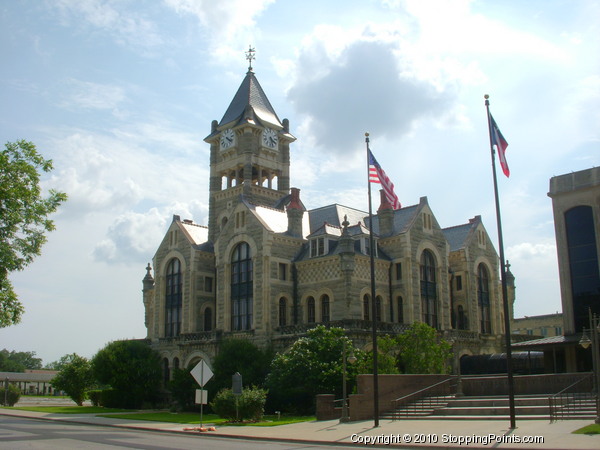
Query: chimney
point(295, 213)
point(386, 215)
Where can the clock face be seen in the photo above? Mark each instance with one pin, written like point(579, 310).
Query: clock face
point(270, 138)
point(227, 138)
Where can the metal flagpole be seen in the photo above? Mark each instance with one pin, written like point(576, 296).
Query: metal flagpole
point(509, 362)
point(373, 302)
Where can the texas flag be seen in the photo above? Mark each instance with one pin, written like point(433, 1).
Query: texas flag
point(500, 144)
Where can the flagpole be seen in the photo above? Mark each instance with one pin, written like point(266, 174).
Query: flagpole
point(509, 362)
point(373, 302)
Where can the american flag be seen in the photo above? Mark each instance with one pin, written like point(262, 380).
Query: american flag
point(500, 144)
point(377, 175)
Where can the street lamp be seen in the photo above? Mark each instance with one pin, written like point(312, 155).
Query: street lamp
point(586, 342)
point(351, 359)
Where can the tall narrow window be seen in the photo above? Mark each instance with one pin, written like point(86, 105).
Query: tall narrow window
point(282, 312)
point(428, 289)
point(310, 310)
point(173, 299)
point(458, 282)
point(462, 319)
point(208, 319)
point(366, 308)
point(378, 308)
point(241, 288)
point(398, 271)
point(325, 308)
point(400, 303)
point(583, 263)
point(483, 299)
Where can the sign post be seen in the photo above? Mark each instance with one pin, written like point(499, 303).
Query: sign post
point(202, 374)
point(236, 387)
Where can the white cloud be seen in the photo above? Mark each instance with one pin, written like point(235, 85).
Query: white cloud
point(227, 22)
point(126, 27)
point(134, 237)
point(88, 95)
point(365, 87)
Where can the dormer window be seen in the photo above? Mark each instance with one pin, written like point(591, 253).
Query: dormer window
point(318, 247)
point(366, 246)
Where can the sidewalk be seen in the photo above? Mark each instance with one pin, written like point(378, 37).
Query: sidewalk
point(484, 434)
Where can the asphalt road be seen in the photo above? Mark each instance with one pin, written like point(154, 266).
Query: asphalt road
point(21, 433)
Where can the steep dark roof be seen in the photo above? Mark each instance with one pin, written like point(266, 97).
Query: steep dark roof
point(250, 94)
point(402, 219)
point(457, 236)
point(334, 215)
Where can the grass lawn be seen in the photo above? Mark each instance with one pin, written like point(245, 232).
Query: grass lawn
point(165, 416)
point(69, 409)
point(590, 429)
point(194, 418)
point(46, 396)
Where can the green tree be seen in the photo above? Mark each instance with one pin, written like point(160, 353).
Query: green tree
point(131, 368)
point(57, 365)
point(75, 377)
point(240, 355)
point(421, 350)
point(25, 359)
point(8, 365)
point(183, 389)
point(24, 219)
point(387, 350)
point(311, 366)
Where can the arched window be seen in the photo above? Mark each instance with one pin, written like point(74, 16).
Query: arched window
point(325, 308)
point(173, 299)
point(378, 308)
point(400, 303)
point(310, 310)
point(483, 299)
point(208, 321)
point(428, 289)
point(282, 312)
point(175, 363)
point(366, 308)
point(241, 288)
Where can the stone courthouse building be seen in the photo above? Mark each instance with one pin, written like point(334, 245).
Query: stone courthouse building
point(267, 269)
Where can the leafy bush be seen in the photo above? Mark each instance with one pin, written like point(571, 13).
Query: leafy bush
point(183, 390)
point(130, 368)
point(13, 395)
point(95, 397)
point(250, 405)
point(311, 366)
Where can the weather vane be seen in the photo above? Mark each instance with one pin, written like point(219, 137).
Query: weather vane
point(250, 56)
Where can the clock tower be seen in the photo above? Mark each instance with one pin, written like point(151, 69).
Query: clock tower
point(249, 154)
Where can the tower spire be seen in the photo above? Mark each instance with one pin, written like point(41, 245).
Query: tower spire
point(250, 56)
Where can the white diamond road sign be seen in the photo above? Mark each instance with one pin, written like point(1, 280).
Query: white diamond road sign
point(201, 373)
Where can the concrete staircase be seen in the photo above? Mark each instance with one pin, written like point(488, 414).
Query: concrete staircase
point(488, 407)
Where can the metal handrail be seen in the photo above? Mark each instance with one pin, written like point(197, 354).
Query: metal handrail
point(563, 402)
point(440, 388)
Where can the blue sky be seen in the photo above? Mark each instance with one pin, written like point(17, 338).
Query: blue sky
point(120, 94)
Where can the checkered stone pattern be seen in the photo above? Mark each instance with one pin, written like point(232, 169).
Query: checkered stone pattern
point(322, 271)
